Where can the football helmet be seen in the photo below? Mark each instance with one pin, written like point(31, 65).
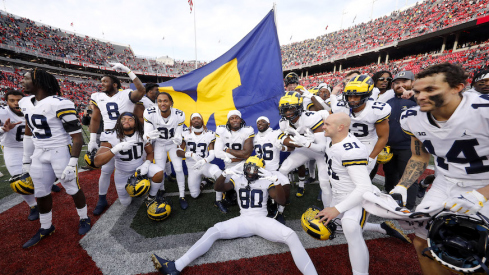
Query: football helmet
point(291, 78)
point(385, 155)
point(459, 242)
point(362, 86)
point(291, 100)
point(251, 166)
point(137, 185)
point(158, 211)
point(315, 228)
point(314, 90)
point(90, 158)
point(22, 184)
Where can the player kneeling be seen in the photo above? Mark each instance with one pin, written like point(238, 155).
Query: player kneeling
point(125, 143)
point(252, 196)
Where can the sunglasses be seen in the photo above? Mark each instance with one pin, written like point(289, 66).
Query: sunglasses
point(383, 78)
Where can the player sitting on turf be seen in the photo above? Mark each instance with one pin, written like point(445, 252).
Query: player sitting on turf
point(252, 196)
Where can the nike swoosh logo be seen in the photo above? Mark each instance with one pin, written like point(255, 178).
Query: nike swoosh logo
point(41, 235)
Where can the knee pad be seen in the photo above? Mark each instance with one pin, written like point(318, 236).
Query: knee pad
point(351, 227)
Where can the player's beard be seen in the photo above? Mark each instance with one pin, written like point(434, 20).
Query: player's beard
point(264, 129)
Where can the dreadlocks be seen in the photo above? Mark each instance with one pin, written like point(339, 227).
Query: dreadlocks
point(45, 81)
point(138, 127)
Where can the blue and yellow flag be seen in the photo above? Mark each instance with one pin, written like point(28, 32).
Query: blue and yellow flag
point(247, 78)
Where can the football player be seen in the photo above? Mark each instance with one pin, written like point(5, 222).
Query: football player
point(107, 106)
point(52, 144)
point(370, 122)
point(164, 125)
point(12, 134)
point(234, 144)
point(301, 124)
point(347, 160)
point(321, 100)
point(454, 128)
point(148, 101)
point(198, 149)
point(382, 86)
point(291, 81)
point(480, 83)
point(252, 195)
point(131, 153)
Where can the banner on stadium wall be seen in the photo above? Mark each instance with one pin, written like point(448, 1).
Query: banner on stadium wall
point(247, 78)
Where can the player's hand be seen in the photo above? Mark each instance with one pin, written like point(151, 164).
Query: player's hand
point(120, 67)
point(338, 88)
point(152, 135)
point(123, 146)
point(402, 190)
point(406, 94)
point(199, 164)
point(227, 160)
point(306, 93)
point(327, 214)
point(309, 135)
point(371, 164)
point(177, 140)
point(300, 140)
point(7, 126)
point(144, 168)
point(69, 173)
point(26, 167)
point(467, 203)
point(265, 174)
point(92, 145)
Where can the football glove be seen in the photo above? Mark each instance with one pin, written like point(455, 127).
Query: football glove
point(309, 135)
point(152, 135)
point(402, 190)
point(468, 203)
point(123, 146)
point(69, 173)
point(265, 174)
point(194, 156)
point(120, 67)
point(92, 145)
point(238, 169)
point(300, 140)
point(371, 164)
point(306, 94)
point(177, 140)
point(144, 168)
point(199, 164)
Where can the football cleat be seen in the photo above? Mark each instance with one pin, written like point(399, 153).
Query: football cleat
point(138, 185)
point(230, 198)
point(424, 184)
point(158, 211)
point(300, 192)
point(55, 188)
point(183, 203)
point(22, 184)
point(164, 266)
point(34, 213)
point(272, 208)
point(316, 229)
point(280, 217)
point(85, 225)
point(160, 196)
point(220, 205)
point(41, 234)
point(149, 200)
point(90, 159)
point(395, 232)
point(101, 205)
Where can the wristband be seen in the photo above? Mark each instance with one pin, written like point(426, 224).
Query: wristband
point(93, 137)
point(73, 161)
point(188, 154)
point(131, 75)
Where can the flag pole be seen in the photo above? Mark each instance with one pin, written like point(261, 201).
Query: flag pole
point(195, 37)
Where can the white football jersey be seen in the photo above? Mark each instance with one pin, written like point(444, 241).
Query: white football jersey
point(234, 139)
point(350, 151)
point(363, 123)
point(112, 107)
point(147, 103)
point(264, 147)
point(307, 120)
point(51, 120)
point(253, 200)
point(198, 144)
point(461, 144)
point(167, 126)
point(376, 96)
point(127, 161)
point(15, 136)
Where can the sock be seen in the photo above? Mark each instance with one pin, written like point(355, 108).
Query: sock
point(46, 220)
point(373, 227)
point(82, 212)
point(198, 249)
point(300, 256)
point(102, 198)
point(281, 208)
point(218, 196)
point(181, 183)
point(103, 183)
point(155, 186)
point(30, 200)
point(301, 181)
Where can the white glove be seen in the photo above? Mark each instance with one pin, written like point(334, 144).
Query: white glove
point(228, 172)
point(152, 135)
point(144, 168)
point(265, 174)
point(92, 145)
point(123, 146)
point(400, 189)
point(120, 67)
point(300, 140)
point(26, 167)
point(468, 203)
point(194, 156)
point(227, 160)
point(199, 164)
point(309, 135)
point(371, 164)
point(69, 173)
point(306, 94)
point(177, 140)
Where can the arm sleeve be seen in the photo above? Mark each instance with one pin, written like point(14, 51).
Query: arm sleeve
point(218, 149)
point(360, 177)
point(28, 149)
point(148, 125)
point(320, 143)
point(333, 99)
point(211, 156)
